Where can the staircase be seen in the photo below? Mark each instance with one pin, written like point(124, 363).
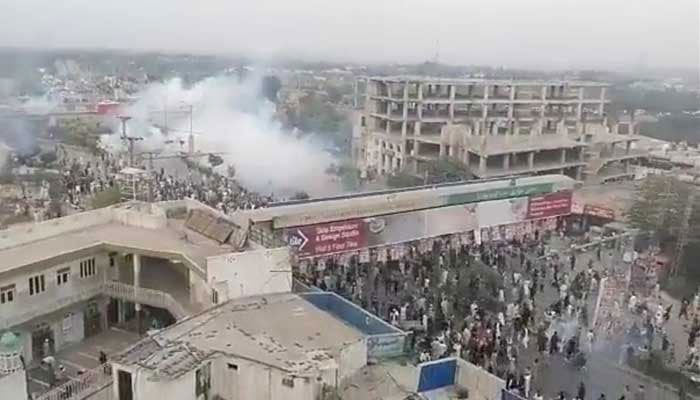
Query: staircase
point(149, 297)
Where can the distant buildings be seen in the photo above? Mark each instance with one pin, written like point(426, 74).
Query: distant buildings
point(496, 127)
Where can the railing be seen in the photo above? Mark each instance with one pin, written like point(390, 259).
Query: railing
point(120, 290)
point(151, 297)
point(82, 386)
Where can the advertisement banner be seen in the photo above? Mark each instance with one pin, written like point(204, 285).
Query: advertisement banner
point(357, 234)
point(599, 211)
point(549, 205)
point(502, 212)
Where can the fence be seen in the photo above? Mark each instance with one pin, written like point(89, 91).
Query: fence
point(150, 297)
point(84, 385)
point(437, 374)
point(265, 239)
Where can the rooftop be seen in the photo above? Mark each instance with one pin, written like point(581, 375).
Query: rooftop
point(478, 81)
point(248, 328)
point(129, 227)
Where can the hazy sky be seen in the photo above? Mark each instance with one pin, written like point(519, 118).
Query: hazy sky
point(514, 33)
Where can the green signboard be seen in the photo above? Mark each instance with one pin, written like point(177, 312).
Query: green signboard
point(500, 193)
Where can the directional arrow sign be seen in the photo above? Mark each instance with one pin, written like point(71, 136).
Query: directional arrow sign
point(298, 240)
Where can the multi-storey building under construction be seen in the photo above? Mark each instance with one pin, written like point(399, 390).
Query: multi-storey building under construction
point(496, 127)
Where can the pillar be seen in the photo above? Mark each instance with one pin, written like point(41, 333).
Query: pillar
point(628, 147)
point(506, 161)
point(601, 107)
point(482, 164)
point(451, 109)
point(466, 157)
point(531, 160)
point(579, 106)
point(581, 154)
point(442, 150)
point(137, 283)
point(579, 173)
point(563, 156)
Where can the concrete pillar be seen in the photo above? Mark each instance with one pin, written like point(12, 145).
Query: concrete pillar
point(137, 283)
point(531, 159)
point(394, 163)
point(563, 156)
point(442, 150)
point(388, 127)
point(404, 129)
point(416, 129)
point(579, 173)
point(579, 106)
point(388, 91)
point(581, 154)
point(486, 92)
point(482, 164)
point(506, 161)
point(451, 107)
point(601, 106)
point(628, 147)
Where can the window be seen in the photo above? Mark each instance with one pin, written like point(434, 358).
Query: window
point(232, 366)
point(36, 285)
point(215, 296)
point(62, 276)
point(7, 294)
point(289, 382)
point(87, 268)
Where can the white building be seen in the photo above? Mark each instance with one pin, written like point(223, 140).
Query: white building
point(66, 279)
point(276, 347)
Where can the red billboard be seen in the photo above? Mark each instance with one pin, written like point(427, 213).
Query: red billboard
point(549, 205)
point(334, 237)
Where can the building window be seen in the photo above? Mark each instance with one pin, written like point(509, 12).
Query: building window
point(62, 276)
point(215, 296)
point(87, 268)
point(36, 285)
point(288, 382)
point(7, 294)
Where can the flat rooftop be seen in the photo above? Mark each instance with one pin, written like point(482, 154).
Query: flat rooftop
point(125, 228)
point(481, 81)
point(284, 331)
point(370, 204)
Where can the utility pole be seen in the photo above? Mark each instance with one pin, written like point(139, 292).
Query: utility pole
point(129, 139)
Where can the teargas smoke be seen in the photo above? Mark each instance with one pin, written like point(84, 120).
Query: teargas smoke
point(229, 116)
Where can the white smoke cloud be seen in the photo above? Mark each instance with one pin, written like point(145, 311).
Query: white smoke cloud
point(230, 116)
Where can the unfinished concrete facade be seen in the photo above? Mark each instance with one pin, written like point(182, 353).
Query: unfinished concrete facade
point(496, 127)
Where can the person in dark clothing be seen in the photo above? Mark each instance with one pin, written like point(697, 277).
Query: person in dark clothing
point(581, 392)
point(554, 343)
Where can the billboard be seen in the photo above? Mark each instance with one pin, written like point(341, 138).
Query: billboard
point(502, 212)
point(599, 211)
point(361, 233)
point(549, 205)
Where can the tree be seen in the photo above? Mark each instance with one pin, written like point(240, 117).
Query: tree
point(82, 133)
point(403, 180)
point(106, 198)
point(300, 195)
point(271, 85)
point(659, 206)
point(447, 170)
point(48, 158)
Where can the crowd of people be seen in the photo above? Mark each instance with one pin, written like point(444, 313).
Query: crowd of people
point(509, 307)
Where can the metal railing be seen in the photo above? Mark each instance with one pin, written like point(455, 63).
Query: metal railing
point(151, 297)
point(81, 386)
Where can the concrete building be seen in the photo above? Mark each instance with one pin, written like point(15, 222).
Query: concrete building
point(496, 127)
point(69, 278)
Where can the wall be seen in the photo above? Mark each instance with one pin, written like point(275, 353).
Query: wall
point(252, 273)
point(140, 219)
point(251, 380)
point(352, 358)
point(26, 306)
point(386, 345)
point(21, 234)
point(182, 388)
point(481, 384)
point(14, 386)
point(437, 374)
point(350, 313)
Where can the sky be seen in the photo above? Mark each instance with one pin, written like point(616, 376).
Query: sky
point(511, 33)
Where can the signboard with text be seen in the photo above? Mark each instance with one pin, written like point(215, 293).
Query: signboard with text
point(599, 211)
point(549, 205)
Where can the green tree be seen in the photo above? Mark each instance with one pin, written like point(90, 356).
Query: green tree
point(447, 170)
point(271, 85)
point(82, 133)
point(659, 206)
point(403, 180)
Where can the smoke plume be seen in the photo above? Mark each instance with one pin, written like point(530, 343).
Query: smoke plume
point(230, 116)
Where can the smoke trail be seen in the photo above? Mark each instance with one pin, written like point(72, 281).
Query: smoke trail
point(233, 118)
